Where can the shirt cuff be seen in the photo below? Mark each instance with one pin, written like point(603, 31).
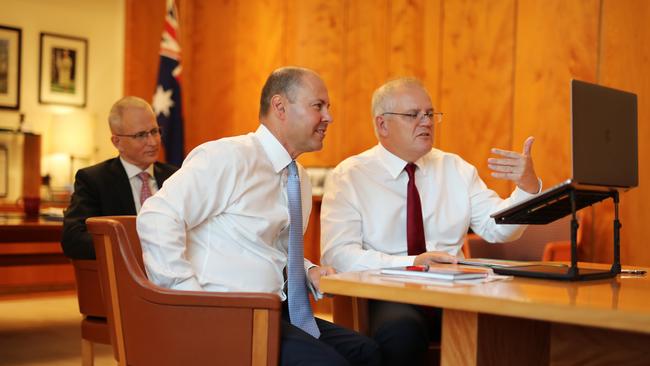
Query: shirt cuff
point(403, 261)
point(520, 194)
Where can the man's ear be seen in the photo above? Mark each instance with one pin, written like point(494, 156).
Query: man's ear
point(278, 106)
point(115, 140)
point(381, 126)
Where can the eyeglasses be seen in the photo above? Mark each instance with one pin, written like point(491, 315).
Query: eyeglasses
point(435, 117)
point(143, 135)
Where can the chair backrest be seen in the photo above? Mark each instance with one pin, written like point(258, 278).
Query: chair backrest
point(159, 326)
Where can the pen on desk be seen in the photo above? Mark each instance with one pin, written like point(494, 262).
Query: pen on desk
point(638, 272)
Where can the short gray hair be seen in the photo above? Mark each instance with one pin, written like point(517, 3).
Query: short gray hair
point(282, 81)
point(117, 110)
point(381, 101)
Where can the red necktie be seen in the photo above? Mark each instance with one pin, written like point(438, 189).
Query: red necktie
point(414, 226)
point(145, 191)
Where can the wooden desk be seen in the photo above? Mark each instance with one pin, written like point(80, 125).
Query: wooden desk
point(16, 229)
point(525, 321)
point(31, 258)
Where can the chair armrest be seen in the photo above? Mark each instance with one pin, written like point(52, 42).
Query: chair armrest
point(557, 251)
point(165, 296)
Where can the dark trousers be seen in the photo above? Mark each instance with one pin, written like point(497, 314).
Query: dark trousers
point(403, 331)
point(336, 345)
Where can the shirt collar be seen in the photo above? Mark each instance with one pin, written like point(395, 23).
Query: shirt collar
point(394, 164)
point(132, 170)
point(274, 150)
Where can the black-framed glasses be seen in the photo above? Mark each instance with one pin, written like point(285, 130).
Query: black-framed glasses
point(435, 117)
point(142, 136)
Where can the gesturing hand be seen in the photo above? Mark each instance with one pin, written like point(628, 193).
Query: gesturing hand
point(517, 167)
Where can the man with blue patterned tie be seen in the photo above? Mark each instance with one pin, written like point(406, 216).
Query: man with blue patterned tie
point(232, 219)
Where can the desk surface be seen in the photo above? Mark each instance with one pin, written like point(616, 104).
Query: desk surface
point(14, 228)
point(621, 303)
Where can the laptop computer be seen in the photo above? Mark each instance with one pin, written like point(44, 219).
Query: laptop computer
point(604, 156)
point(604, 159)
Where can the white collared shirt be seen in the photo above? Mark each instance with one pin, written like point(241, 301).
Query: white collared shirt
point(221, 223)
point(363, 217)
point(132, 172)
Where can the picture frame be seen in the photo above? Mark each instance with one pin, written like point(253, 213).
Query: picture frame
point(10, 62)
point(63, 70)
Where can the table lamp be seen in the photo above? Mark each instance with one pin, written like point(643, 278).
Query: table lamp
point(71, 135)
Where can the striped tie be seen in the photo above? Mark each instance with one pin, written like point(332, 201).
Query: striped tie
point(300, 311)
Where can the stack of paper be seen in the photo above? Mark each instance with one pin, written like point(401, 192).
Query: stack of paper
point(448, 272)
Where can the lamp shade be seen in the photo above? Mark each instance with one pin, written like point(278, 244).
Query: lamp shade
point(71, 133)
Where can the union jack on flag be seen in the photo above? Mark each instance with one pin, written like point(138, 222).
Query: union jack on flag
point(167, 97)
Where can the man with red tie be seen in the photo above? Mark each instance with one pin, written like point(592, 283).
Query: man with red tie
point(117, 186)
point(404, 202)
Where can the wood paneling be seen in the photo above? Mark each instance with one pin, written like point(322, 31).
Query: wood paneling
point(315, 40)
point(625, 64)
point(406, 48)
point(212, 64)
point(254, 60)
point(144, 24)
point(476, 83)
point(556, 40)
point(500, 70)
point(366, 25)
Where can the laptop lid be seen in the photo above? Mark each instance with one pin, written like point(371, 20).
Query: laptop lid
point(604, 135)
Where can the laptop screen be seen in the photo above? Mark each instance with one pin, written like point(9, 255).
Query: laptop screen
point(604, 135)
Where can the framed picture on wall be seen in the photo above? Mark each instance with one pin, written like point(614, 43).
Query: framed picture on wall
point(10, 47)
point(63, 70)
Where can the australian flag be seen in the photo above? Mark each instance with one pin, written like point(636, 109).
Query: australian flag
point(167, 98)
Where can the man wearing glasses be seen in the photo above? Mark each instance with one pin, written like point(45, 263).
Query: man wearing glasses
point(404, 202)
point(117, 186)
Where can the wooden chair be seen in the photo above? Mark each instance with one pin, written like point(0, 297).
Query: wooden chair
point(94, 326)
point(151, 325)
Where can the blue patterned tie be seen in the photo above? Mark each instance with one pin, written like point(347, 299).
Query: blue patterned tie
point(300, 311)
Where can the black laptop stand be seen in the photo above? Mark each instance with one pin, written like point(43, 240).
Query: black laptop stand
point(566, 201)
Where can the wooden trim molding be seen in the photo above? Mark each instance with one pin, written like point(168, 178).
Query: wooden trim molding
point(261, 335)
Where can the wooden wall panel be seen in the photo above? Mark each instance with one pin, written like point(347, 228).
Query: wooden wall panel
point(476, 81)
point(498, 69)
point(259, 36)
point(433, 52)
point(144, 23)
point(406, 38)
point(556, 40)
point(625, 64)
point(366, 29)
point(315, 40)
point(212, 64)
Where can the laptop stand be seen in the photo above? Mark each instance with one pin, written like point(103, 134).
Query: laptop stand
point(576, 199)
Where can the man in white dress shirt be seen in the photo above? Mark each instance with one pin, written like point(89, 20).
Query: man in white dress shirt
point(222, 222)
point(364, 210)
